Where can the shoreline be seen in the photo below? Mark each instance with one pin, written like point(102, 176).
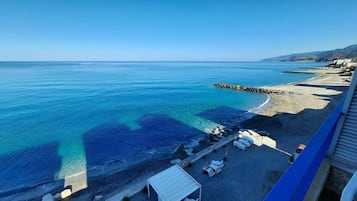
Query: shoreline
point(291, 119)
point(258, 120)
point(266, 104)
point(311, 93)
point(269, 108)
point(305, 110)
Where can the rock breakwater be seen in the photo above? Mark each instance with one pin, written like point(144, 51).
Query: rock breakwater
point(252, 89)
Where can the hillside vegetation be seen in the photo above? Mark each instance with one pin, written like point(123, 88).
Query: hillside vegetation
point(349, 52)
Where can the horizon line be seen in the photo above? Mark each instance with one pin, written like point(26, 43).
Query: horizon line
point(3, 61)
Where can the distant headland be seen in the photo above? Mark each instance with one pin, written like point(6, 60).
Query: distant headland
point(349, 52)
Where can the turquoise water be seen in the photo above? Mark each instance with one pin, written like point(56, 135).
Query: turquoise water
point(60, 118)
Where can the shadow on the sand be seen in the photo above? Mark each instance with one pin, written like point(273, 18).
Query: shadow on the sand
point(325, 97)
point(297, 124)
point(301, 125)
point(336, 88)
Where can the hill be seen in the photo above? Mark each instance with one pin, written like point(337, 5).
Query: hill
point(349, 52)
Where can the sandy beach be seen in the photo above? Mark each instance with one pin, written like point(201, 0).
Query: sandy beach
point(301, 113)
point(290, 119)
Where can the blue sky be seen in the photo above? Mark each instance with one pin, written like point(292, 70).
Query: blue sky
point(172, 29)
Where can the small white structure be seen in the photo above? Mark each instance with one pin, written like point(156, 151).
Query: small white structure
point(251, 135)
point(173, 184)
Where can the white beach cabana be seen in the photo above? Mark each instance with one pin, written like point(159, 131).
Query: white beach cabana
point(173, 184)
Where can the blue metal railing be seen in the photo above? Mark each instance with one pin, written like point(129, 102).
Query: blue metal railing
point(294, 184)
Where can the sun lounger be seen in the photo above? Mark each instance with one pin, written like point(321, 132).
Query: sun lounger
point(214, 168)
point(244, 142)
point(219, 163)
point(239, 145)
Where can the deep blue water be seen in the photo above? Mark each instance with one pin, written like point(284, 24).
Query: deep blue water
point(59, 118)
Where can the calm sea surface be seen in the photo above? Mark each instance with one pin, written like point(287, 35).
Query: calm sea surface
point(60, 118)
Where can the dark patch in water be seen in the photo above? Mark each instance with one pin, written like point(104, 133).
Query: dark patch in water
point(221, 114)
point(28, 167)
point(116, 142)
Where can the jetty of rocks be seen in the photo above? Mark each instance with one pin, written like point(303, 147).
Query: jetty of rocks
point(252, 89)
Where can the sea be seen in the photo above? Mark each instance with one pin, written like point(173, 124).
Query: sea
point(61, 118)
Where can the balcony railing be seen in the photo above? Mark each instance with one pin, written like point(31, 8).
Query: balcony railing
point(294, 184)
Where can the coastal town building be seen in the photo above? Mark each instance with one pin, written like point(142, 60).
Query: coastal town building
point(342, 63)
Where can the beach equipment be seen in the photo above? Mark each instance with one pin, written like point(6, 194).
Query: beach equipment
point(174, 184)
point(254, 137)
point(209, 171)
point(239, 145)
point(244, 142)
point(214, 168)
point(218, 163)
point(248, 139)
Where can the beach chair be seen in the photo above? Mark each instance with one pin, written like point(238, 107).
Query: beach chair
point(209, 171)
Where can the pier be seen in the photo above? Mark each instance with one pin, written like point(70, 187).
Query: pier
point(204, 152)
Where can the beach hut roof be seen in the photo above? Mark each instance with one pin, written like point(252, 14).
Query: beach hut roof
point(173, 184)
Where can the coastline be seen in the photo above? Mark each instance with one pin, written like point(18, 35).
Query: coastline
point(290, 119)
point(277, 115)
point(314, 93)
point(266, 104)
point(318, 97)
point(301, 113)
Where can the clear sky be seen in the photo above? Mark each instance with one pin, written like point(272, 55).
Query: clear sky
point(172, 29)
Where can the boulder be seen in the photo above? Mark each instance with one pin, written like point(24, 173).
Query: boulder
point(250, 89)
